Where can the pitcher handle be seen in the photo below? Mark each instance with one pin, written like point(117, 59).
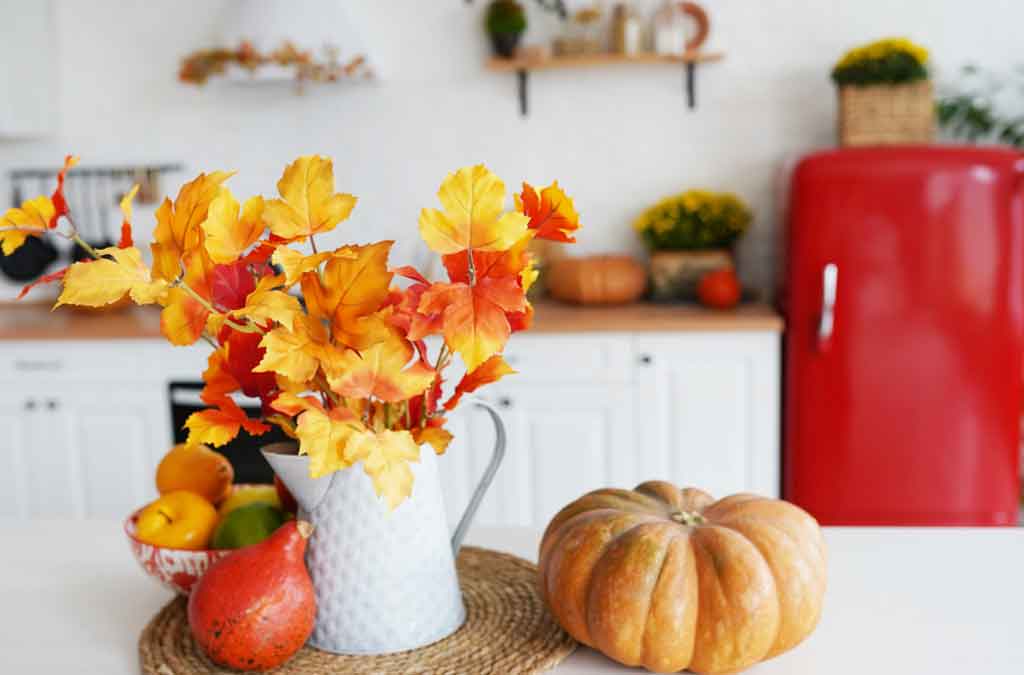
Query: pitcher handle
point(497, 456)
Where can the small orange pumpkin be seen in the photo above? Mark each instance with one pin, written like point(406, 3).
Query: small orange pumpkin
point(596, 280)
point(672, 579)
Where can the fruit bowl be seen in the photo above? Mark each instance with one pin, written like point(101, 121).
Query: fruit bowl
point(176, 568)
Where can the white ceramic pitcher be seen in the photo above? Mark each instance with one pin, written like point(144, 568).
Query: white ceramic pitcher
point(384, 581)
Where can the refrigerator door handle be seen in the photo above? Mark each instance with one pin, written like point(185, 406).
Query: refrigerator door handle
point(826, 325)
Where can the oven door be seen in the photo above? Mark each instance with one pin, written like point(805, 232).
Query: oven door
point(243, 452)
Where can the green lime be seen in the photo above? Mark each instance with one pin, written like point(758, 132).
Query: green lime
point(249, 524)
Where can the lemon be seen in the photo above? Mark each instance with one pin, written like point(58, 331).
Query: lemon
point(249, 494)
point(246, 525)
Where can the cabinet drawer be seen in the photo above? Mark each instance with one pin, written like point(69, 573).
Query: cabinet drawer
point(108, 360)
point(569, 358)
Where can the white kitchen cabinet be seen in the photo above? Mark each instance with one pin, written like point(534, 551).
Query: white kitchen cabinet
point(86, 422)
point(708, 410)
point(85, 450)
point(27, 76)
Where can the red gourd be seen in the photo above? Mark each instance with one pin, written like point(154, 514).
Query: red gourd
point(255, 608)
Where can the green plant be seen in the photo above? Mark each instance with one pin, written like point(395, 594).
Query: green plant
point(888, 61)
point(505, 17)
point(970, 111)
point(694, 220)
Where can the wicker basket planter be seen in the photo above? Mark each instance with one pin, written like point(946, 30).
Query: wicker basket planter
point(886, 114)
point(675, 274)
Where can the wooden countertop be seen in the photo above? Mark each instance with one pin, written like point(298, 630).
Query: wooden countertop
point(37, 322)
point(555, 317)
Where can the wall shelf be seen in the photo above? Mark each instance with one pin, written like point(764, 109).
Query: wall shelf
point(522, 66)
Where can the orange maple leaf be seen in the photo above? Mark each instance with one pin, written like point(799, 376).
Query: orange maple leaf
point(178, 232)
point(355, 284)
point(218, 426)
point(491, 370)
point(184, 318)
point(59, 203)
point(552, 214)
point(438, 438)
point(126, 220)
point(475, 321)
point(380, 371)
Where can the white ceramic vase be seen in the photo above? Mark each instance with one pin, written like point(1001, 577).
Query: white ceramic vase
point(385, 581)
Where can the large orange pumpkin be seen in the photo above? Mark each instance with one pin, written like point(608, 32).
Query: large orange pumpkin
point(671, 579)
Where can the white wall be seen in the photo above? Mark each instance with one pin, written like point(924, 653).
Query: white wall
point(616, 138)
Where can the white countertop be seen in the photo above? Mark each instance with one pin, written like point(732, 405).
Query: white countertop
point(900, 601)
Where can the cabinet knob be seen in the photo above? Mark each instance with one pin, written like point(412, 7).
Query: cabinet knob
point(646, 359)
point(30, 404)
point(504, 402)
point(52, 404)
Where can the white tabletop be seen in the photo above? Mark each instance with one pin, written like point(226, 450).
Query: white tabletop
point(900, 601)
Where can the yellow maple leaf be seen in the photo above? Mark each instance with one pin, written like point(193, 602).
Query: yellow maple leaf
point(380, 371)
point(354, 284)
point(229, 235)
point(473, 200)
point(292, 354)
point(295, 264)
point(262, 306)
point(386, 456)
point(324, 436)
point(297, 354)
point(19, 223)
point(178, 229)
point(96, 283)
point(308, 205)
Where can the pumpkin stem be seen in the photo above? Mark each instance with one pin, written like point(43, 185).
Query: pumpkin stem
point(688, 518)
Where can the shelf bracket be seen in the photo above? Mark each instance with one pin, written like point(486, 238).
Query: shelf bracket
point(523, 76)
point(690, 85)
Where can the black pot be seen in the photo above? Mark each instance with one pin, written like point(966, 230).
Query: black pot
point(505, 44)
point(30, 260)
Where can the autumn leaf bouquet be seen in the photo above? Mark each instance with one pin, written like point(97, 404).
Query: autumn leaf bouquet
point(327, 341)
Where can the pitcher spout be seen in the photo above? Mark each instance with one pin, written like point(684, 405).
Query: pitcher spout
point(293, 470)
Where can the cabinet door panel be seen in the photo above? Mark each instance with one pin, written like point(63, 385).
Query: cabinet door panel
point(708, 407)
point(117, 439)
point(13, 446)
point(54, 473)
point(564, 440)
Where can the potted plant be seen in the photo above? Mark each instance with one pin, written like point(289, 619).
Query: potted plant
point(688, 235)
point(344, 369)
point(885, 95)
point(506, 23)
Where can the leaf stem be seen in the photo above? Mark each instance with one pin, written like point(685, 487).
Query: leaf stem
point(470, 267)
point(312, 243)
point(241, 328)
point(85, 246)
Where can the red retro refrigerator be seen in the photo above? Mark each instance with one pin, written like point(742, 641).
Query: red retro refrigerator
point(904, 298)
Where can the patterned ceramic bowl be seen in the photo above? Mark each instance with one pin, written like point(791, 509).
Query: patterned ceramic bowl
point(176, 568)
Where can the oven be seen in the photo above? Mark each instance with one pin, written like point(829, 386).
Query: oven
point(244, 451)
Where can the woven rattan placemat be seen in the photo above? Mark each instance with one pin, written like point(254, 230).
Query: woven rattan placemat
point(508, 631)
